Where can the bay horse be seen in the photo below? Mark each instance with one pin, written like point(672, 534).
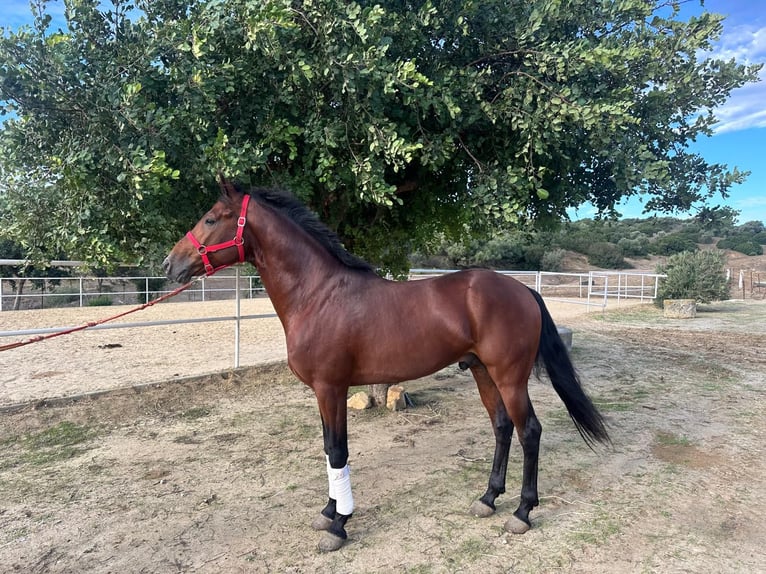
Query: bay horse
point(345, 326)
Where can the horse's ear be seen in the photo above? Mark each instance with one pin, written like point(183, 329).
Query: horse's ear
point(227, 188)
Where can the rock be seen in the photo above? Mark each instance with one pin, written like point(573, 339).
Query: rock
point(679, 308)
point(396, 399)
point(566, 336)
point(359, 401)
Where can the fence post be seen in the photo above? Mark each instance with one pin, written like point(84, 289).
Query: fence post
point(238, 320)
point(1, 294)
point(619, 286)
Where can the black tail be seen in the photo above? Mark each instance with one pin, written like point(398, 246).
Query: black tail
point(554, 356)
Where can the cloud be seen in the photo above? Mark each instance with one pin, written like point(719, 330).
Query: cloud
point(745, 108)
point(753, 201)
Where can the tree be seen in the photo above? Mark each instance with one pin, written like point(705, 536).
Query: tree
point(393, 120)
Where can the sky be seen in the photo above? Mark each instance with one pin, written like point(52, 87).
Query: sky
point(740, 136)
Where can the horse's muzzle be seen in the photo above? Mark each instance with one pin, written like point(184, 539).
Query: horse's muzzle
point(176, 272)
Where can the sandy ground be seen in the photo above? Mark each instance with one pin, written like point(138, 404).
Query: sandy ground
point(97, 360)
point(225, 473)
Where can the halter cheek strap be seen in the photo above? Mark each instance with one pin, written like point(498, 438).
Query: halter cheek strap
point(237, 242)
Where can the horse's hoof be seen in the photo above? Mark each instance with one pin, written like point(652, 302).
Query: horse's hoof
point(330, 542)
point(515, 525)
point(481, 510)
point(321, 522)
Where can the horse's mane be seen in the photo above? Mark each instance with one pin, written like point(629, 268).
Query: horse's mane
point(292, 208)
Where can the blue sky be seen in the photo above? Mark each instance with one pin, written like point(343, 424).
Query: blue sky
point(740, 136)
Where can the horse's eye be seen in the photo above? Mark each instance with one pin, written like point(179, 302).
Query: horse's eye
point(210, 221)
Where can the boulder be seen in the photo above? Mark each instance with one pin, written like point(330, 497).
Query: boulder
point(566, 336)
point(679, 308)
point(396, 399)
point(359, 401)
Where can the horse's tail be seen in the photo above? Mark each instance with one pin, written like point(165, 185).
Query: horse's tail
point(553, 354)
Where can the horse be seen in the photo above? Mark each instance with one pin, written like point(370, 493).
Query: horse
point(345, 325)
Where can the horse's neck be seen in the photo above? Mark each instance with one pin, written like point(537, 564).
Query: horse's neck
point(292, 265)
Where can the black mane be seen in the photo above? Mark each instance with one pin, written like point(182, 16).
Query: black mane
point(292, 208)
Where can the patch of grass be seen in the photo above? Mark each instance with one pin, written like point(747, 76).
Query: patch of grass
point(60, 442)
point(628, 398)
point(293, 429)
point(100, 301)
point(472, 549)
point(195, 413)
point(598, 530)
point(468, 552)
point(644, 314)
point(670, 439)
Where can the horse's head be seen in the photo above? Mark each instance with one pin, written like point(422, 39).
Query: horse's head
point(215, 242)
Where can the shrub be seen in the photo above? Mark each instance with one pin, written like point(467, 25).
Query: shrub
point(635, 246)
point(154, 284)
point(552, 260)
point(672, 243)
point(100, 301)
point(698, 275)
point(606, 255)
point(741, 245)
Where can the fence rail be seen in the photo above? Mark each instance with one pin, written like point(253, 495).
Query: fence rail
point(593, 288)
point(50, 292)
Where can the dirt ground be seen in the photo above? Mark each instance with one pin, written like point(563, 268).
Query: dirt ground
point(97, 360)
point(224, 472)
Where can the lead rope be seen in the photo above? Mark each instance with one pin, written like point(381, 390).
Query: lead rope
point(99, 322)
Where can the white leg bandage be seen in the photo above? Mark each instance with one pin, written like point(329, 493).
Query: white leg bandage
point(340, 489)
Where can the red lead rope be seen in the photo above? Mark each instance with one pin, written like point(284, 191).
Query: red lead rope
point(203, 250)
point(99, 322)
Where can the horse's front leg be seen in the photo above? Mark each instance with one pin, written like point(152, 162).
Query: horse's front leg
point(340, 505)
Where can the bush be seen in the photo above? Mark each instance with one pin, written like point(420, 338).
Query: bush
point(100, 301)
point(635, 246)
point(606, 255)
point(698, 275)
point(552, 260)
point(741, 245)
point(672, 243)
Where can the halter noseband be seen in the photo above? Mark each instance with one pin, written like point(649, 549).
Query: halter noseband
point(237, 242)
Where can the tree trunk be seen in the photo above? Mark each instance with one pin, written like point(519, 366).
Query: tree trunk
point(378, 394)
point(19, 284)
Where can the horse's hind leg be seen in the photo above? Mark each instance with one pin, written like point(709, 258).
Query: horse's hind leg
point(503, 429)
point(529, 430)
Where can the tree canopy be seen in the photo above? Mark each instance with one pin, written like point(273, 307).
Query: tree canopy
point(393, 120)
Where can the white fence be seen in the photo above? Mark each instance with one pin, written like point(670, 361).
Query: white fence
point(48, 292)
point(593, 288)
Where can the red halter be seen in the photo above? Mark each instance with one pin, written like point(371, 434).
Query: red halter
point(237, 242)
